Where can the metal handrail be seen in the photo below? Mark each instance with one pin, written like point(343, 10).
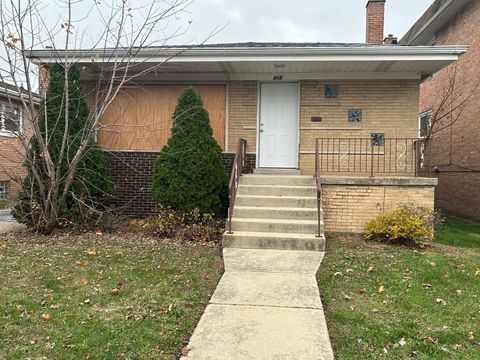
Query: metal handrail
point(319, 188)
point(237, 170)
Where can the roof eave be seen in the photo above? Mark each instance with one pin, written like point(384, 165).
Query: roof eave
point(242, 54)
point(434, 24)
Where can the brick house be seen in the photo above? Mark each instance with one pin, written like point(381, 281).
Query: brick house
point(359, 100)
point(12, 151)
point(453, 151)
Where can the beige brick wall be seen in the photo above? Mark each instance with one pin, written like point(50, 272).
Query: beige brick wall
point(242, 114)
point(388, 106)
point(348, 208)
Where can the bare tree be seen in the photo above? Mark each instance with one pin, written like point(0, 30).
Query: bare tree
point(123, 32)
point(457, 92)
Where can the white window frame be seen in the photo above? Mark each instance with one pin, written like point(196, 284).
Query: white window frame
point(3, 190)
point(5, 132)
point(429, 113)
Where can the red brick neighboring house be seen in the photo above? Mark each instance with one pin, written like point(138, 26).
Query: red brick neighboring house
point(12, 123)
point(453, 152)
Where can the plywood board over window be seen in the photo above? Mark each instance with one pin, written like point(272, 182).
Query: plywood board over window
point(140, 118)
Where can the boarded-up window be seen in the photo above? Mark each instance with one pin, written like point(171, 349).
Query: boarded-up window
point(140, 118)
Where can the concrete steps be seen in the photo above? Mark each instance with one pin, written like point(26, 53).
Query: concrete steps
point(290, 180)
point(275, 241)
point(275, 225)
point(277, 190)
point(258, 212)
point(276, 211)
point(276, 200)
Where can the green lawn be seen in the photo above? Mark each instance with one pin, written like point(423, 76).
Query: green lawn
point(385, 302)
point(459, 232)
point(5, 204)
point(79, 298)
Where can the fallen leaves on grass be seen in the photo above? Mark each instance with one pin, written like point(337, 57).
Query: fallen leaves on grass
point(441, 301)
point(91, 252)
point(477, 272)
point(81, 263)
point(3, 245)
point(46, 317)
point(116, 289)
point(185, 351)
point(381, 289)
point(429, 339)
point(471, 335)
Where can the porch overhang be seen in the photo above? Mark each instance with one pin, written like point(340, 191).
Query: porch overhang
point(261, 62)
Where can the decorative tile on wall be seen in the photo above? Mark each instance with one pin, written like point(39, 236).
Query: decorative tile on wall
point(355, 115)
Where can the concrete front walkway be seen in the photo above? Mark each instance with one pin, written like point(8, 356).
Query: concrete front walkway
point(266, 306)
point(8, 223)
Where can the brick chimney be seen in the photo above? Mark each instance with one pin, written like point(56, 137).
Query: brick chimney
point(375, 21)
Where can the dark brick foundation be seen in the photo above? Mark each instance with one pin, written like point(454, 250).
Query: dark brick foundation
point(229, 158)
point(132, 174)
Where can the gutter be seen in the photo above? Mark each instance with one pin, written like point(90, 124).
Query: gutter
point(15, 96)
point(48, 56)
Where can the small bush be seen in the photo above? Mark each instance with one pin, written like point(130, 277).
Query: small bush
point(408, 225)
point(192, 226)
point(189, 172)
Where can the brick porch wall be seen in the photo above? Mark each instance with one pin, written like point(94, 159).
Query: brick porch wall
point(132, 174)
point(348, 207)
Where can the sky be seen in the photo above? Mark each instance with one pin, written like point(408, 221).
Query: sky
point(254, 20)
point(294, 21)
point(234, 21)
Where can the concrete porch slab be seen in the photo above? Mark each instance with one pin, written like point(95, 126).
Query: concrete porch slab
point(257, 332)
point(268, 289)
point(283, 261)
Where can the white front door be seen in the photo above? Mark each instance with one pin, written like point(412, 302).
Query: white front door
point(278, 126)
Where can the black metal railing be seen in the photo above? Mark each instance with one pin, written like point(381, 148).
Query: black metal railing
point(319, 189)
point(366, 156)
point(237, 170)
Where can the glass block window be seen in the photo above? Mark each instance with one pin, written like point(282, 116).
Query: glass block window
point(378, 139)
point(331, 91)
point(3, 190)
point(10, 119)
point(355, 115)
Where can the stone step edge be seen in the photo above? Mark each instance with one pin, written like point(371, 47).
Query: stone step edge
point(274, 208)
point(272, 197)
point(277, 186)
point(276, 221)
point(278, 175)
point(256, 234)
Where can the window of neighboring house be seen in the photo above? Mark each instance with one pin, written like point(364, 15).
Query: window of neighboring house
point(3, 190)
point(10, 119)
point(425, 123)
